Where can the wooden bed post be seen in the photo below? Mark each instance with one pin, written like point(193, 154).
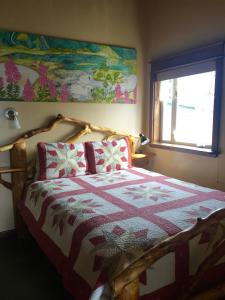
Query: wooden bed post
point(18, 159)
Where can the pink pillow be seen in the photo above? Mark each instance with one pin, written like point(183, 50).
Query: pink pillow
point(108, 155)
point(57, 160)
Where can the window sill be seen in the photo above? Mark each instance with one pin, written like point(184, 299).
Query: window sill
point(186, 149)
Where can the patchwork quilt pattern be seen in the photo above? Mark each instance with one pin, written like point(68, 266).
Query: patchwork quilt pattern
point(108, 156)
point(95, 224)
point(56, 160)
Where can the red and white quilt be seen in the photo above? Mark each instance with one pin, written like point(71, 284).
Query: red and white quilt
point(91, 224)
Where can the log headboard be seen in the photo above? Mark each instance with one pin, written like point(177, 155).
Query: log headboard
point(21, 168)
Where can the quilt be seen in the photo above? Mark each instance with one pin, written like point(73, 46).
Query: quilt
point(92, 225)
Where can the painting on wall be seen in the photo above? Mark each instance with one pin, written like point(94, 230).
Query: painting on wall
point(38, 68)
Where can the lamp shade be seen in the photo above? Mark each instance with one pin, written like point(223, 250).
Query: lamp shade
point(12, 115)
point(14, 124)
point(144, 139)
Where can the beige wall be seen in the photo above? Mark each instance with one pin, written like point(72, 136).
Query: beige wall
point(173, 26)
point(104, 21)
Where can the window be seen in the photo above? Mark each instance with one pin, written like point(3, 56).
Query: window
point(185, 100)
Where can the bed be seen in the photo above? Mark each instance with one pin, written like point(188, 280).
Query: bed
point(124, 233)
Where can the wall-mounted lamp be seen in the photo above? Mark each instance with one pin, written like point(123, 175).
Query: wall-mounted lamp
point(143, 139)
point(12, 115)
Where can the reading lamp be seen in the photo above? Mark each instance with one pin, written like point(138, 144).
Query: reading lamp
point(143, 139)
point(12, 115)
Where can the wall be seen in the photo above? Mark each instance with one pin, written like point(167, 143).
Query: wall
point(173, 26)
point(104, 21)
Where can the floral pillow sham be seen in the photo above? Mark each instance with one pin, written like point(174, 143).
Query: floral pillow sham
point(56, 160)
point(108, 156)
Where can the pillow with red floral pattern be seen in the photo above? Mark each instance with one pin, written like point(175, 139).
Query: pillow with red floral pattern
point(56, 160)
point(108, 156)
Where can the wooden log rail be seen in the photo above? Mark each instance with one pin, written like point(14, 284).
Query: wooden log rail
point(86, 128)
point(5, 170)
point(125, 284)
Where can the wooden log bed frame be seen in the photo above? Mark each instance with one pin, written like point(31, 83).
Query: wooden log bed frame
point(125, 284)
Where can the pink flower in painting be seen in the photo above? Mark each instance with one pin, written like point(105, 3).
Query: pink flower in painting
point(52, 89)
point(1, 83)
point(11, 71)
point(28, 91)
point(64, 94)
point(43, 78)
point(43, 70)
point(126, 97)
point(118, 92)
point(135, 93)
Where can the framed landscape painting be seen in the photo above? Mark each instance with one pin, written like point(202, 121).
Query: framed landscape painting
point(38, 68)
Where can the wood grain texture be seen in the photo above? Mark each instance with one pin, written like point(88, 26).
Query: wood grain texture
point(5, 183)
point(208, 262)
point(4, 170)
point(86, 128)
point(130, 291)
point(18, 159)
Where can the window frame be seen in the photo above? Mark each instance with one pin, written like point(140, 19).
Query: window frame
point(214, 53)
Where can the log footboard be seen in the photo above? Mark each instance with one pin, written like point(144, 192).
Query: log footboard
point(124, 284)
point(130, 291)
